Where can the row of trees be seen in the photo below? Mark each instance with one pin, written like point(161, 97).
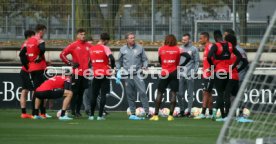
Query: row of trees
point(88, 9)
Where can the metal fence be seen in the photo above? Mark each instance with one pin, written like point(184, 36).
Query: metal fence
point(255, 29)
point(148, 19)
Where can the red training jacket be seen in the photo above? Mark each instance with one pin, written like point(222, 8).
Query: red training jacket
point(33, 52)
point(80, 54)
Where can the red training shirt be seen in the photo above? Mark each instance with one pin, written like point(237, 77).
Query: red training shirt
point(100, 61)
point(170, 57)
point(53, 83)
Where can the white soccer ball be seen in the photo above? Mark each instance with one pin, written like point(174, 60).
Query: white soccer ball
point(151, 110)
point(246, 112)
point(195, 111)
point(59, 113)
point(176, 111)
point(165, 112)
point(140, 111)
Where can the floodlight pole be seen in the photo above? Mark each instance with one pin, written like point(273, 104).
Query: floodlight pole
point(73, 19)
point(152, 20)
point(176, 18)
point(234, 15)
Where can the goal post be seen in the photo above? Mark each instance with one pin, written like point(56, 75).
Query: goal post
point(263, 128)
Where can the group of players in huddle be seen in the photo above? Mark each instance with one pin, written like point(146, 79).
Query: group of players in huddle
point(224, 66)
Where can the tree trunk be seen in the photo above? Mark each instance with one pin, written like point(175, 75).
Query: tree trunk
point(107, 23)
point(112, 10)
point(96, 11)
point(242, 10)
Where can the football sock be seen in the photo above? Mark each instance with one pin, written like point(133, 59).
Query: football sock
point(43, 110)
point(62, 113)
point(36, 112)
point(203, 111)
point(23, 110)
point(210, 112)
point(241, 112)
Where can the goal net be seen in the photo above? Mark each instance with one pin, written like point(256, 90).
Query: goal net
point(256, 99)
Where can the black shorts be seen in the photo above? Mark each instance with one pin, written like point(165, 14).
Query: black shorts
point(79, 82)
point(49, 94)
point(26, 80)
point(208, 84)
point(100, 85)
point(171, 81)
point(38, 78)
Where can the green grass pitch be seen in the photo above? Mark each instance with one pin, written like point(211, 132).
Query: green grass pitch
point(116, 129)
